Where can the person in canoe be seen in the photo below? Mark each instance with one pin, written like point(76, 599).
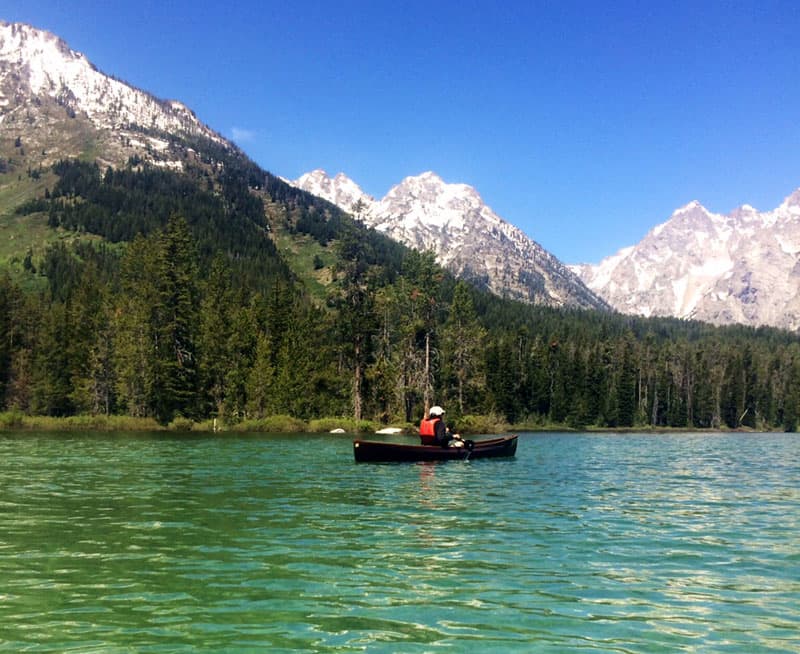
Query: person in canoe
point(434, 431)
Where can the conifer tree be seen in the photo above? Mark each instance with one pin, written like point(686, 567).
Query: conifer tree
point(626, 384)
point(26, 320)
point(175, 315)
point(241, 347)
point(462, 344)
point(791, 398)
point(295, 370)
point(91, 344)
point(356, 318)
point(7, 316)
point(382, 374)
point(52, 389)
point(418, 307)
point(135, 328)
point(214, 358)
point(260, 381)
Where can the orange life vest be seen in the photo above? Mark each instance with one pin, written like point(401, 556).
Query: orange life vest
point(427, 430)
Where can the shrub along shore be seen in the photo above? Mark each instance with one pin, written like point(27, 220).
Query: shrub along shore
point(279, 424)
point(283, 424)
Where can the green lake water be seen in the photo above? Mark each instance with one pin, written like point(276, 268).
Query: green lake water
point(596, 543)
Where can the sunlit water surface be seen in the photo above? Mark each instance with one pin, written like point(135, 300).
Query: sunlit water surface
point(601, 543)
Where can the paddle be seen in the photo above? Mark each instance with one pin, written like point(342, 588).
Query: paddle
point(469, 445)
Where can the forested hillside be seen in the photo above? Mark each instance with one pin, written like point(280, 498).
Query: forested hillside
point(183, 305)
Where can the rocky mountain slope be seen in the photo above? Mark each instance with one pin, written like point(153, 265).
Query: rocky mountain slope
point(740, 268)
point(468, 238)
point(54, 103)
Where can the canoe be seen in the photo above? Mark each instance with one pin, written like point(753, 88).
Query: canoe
point(384, 452)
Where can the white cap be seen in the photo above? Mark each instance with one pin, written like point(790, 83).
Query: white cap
point(436, 411)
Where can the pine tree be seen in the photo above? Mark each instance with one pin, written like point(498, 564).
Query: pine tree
point(626, 389)
point(357, 322)
point(91, 344)
point(791, 402)
point(214, 357)
point(135, 328)
point(383, 373)
point(241, 347)
point(462, 345)
point(260, 395)
point(7, 316)
point(175, 315)
point(292, 387)
point(52, 388)
point(418, 306)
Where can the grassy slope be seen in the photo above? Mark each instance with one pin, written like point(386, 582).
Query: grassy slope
point(20, 234)
point(299, 251)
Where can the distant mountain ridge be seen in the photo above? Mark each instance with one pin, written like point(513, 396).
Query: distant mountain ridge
point(426, 213)
point(740, 268)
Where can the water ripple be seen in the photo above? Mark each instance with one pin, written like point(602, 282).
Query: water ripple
point(603, 543)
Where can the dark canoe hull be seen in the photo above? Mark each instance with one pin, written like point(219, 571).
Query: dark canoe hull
point(384, 452)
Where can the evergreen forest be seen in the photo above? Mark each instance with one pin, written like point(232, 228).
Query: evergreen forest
point(174, 300)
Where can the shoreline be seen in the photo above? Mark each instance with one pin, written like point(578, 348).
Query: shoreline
point(18, 422)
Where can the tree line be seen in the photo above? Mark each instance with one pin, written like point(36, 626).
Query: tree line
point(198, 315)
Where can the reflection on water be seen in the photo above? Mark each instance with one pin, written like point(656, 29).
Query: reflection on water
point(607, 543)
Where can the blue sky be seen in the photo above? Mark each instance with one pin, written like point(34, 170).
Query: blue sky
point(584, 123)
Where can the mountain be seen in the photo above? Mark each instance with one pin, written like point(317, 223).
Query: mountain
point(468, 238)
point(54, 103)
point(740, 268)
point(85, 157)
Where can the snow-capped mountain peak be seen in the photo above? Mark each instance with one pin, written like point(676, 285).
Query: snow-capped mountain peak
point(44, 83)
point(339, 190)
point(53, 69)
point(737, 268)
point(427, 200)
point(692, 206)
point(427, 213)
